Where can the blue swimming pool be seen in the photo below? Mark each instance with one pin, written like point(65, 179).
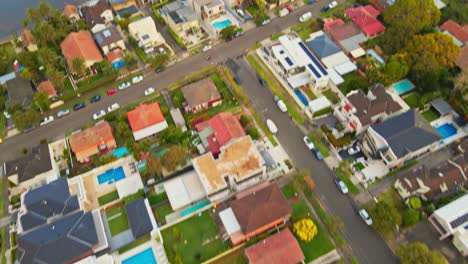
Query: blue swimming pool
point(112, 175)
point(144, 257)
point(120, 152)
point(403, 86)
point(376, 56)
point(194, 208)
point(446, 130)
point(222, 24)
point(301, 97)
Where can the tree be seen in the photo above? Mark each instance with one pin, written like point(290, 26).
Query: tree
point(244, 120)
point(410, 217)
point(229, 32)
point(175, 156)
point(47, 57)
point(154, 166)
point(44, 9)
point(414, 203)
point(130, 61)
point(456, 10)
point(386, 217)
point(419, 253)
point(174, 135)
point(305, 229)
point(56, 77)
point(41, 101)
point(253, 132)
point(344, 168)
point(159, 60)
point(431, 52)
point(460, 82)
point(394, 70)
point(105, 67)
point(23, 120)
point(78, 66)
point(417, 14)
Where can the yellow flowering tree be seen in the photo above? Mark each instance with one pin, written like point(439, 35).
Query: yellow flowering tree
point(305, 229)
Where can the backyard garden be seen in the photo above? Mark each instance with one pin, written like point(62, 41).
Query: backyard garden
point(117, 219)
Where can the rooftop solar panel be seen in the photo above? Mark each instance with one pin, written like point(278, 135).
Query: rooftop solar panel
point(316, 73)
point(304, 48)
point(459, 221)
point(288, 60)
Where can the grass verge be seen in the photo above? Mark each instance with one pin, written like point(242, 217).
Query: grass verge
point(318, 144)
point(162, 211)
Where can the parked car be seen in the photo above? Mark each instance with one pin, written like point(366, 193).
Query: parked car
point(113, 107)
point(137, 79)
point(26, 130)
point(310, 145)
point(62, 113)
point(341, 185)
point(239, 33)
point(306, 16)
point(99, 114)
point(149, 91)
point(332, 4)
point(206, 48)
point(237, 80)
point(95, 99)
point(261, 81)
point(318, 154)
point(353, 150)
point(289, 7)
point(6, 114)
point(282, 106)
point(160, 69)
point(365, 216)
point(111, 91)
point(47, 120)
point(271, 126)
point(324, 8)
point(124, 85)
point(240, 12)
point(266, 21)
point(79, 106)
point(283, 12)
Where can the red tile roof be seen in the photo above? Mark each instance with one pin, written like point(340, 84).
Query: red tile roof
point(70, 10)
point(462, 60)
point(47, 87)
point(280, 248)
point(114, 56)
point(80, 45)
point(366, 18)
point(455, 30)
point(91, 137)
point(145, 115)
point(225, 127)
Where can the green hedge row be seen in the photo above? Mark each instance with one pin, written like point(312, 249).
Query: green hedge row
point(175, 37)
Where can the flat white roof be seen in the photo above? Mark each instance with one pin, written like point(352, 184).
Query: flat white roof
point(335, 77)
point(229, 221)
point(345, 68)
point(319, 104)
point(298, 80)
point(129, 185)
point(358, 53)
point(453, 210)
point(184, 190)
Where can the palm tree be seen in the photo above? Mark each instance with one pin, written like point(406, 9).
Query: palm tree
point(44, 9)
point(32, 15)
point(47, 57)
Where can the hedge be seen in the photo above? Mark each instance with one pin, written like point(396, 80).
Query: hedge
point(157, 15)
point(175, 37)
point(323, 112)
point(340, 142)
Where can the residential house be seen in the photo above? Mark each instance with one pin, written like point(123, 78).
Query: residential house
point(32, 170)
point(238, 166)
point(329, 53)
point(233, 3)
point(358, 111)
point(458, 33)
point(296, 63)
point(209, 9)
point(140, 217)
point(432, 183)
point(125, 8)
point(365, 17)
point(255, 212)
point(451, 221)
point(20, 92)
point(144, 31)
point(98, 16)
point(200, 95)
point(184, 190)
point(400, 138)
point(28, 41)
point(91, 141)
point(218, 131)
point(47, 87)
point(71, 12)
point(146, 120)
point(80, 45)
point(348, 36)
point(462, 61)
point(110, 40)
point(280, 248)
point(180, 18)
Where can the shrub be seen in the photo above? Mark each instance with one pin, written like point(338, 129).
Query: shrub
point(305, 229)
point(289, 164)
point(244, 120)
point(323, 112)
point(410, 217)
point(253, 132)
point(339, 127)
point(414, 203)
point(175, 37)
point(340, 142)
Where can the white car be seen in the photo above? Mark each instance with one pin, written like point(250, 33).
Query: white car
point(353, 150)
point(206, 48)
point(113, 107)
point(99, 115)
point(62, 113)
point(341, 185)
point(137, 79)
point(47, 120)
point(149, 91)
point(271, 126)
point(309, 143)
point(6, 114)
point(365, 216)
point(332, 4)
point(305, 16)
point(124, 85)
point(282, 106)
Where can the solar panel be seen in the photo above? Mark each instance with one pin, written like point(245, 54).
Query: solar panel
point(316, 73)
point(288, 60)
point(106, 33)
point(145, 37)
point(281, 51)
point(459, 221)
point(312, 57)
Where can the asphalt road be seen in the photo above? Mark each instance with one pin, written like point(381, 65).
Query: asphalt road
point(365, 242)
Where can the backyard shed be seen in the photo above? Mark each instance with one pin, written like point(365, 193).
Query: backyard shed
point(441, 106)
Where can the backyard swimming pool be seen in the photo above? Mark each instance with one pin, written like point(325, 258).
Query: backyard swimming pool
point(112, 175)
point(301, 97)
point(446, 130)
point(144, 257)
point(221, 24)
point(403, 86)
point(120, 152)
point(194, 208)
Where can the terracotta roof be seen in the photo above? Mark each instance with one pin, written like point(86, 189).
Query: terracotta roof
point(47, 87)
point(341, 31)
point(455, 30)
point(70, 10)
point(114, 56)
point(366, 18)
point(80, 45)
point(280, 248)
point(260, 208)
point(27, 37)
point(200, 92)
point(462, 61)
point(145, 115)
point(90, 137)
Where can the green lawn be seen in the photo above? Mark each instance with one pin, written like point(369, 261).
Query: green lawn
point(276, 36)
point(194, 240)
point(222, 88)
point(319, 144)
point(154, 198)
point(359, 166)
point(353, 81)
point(162, 211)
point(331, 96)
point(118, 225)
point(300, 210)
point(115, 210)
point(310, 94)
point(134, 244)
point(339, 9)
point(430, 115)
point(107, 198)
point(351, 187)
point(412, 100)
point(304, 29)
point(289, 190)
point(177, 97)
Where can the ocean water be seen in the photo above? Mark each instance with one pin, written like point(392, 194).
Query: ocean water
point(12, 12)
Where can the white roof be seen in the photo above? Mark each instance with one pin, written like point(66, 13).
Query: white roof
point(454, 209)
point(319, 104)
point(345, 68)
point(144, 28)
point(129, 185)
point(298, 80)
point(335, 59)
point(184, 190)
point(229, 221)
point(358, 53)
point(439, 4)
point(335, 77)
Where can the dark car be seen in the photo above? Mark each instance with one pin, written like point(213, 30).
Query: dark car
point(237, 80)
point(261, 80)
point(160, 69)
point(325, 8)
point(95, 99)
point(79, 106)
point(318, 154)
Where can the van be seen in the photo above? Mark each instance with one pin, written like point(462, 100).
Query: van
point(282, 106)
point(305, 16)
point(271, 126)
point(283, 12)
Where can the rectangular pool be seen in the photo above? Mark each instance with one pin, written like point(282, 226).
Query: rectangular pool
point(446, 130)
point(403, 86)
point(144, 257)
point(301, 97)
point(111, 176)
point(221, 24)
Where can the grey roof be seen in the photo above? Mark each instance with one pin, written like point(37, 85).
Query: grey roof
point(138, 217)
point(28, 167)
point(92, 14)
point(323, 46)
point(178, 12)
point(441, 106)
point(107, 36)
point(47, 201)
point(63, 241)
point(353, 42)
point(269, 161)
point(19, 92)
point(406, 132)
